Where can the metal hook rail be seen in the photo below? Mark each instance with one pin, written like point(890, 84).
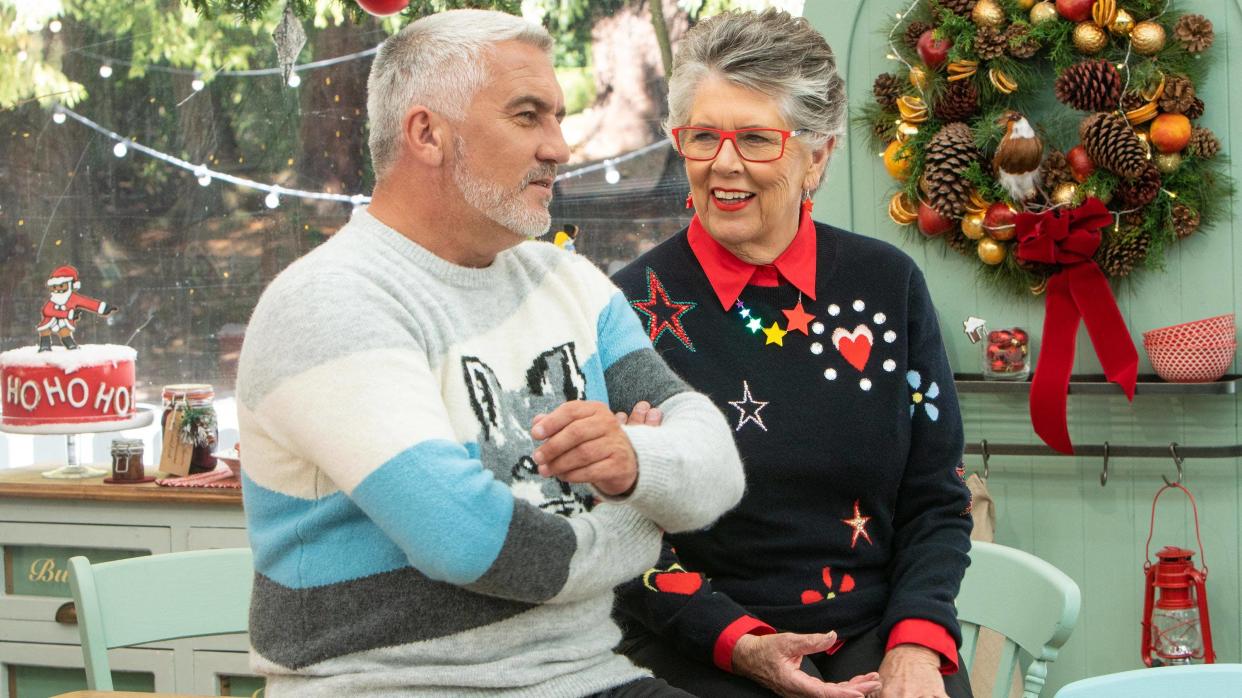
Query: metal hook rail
point(1178, 453)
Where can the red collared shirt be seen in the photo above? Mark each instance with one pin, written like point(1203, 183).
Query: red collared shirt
point(728, 276)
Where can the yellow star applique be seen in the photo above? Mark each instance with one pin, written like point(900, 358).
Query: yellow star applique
point(775, 335)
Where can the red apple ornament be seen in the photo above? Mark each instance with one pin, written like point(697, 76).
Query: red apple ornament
point(931, 222)
point(1075, 10)
point(999, 221)
point(933, 51)
point(1080, 163)
point(383, 8)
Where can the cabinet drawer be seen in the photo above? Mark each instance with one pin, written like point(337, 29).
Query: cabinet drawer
point(224, 674)
point(37, 671)
point(205, 538)
point(36, 561)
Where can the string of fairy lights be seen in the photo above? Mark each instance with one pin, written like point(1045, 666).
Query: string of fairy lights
point(206, 175)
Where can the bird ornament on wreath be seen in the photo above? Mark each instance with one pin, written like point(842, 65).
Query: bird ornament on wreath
point(959, 127)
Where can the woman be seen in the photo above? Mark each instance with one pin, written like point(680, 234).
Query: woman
point(823, 349)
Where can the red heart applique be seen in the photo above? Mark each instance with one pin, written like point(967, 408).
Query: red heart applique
point(684, 583)
point(854, 346)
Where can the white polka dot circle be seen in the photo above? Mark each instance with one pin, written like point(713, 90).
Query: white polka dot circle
point(817, 348)
point(817, 328)
point(890, 365)
point(831, 374)
point(859, 306)
point(865, 384)
point(890, 336)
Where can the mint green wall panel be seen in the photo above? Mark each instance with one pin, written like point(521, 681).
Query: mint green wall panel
point(1055, 507)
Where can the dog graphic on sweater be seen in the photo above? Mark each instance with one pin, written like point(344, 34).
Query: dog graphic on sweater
point(505, 444)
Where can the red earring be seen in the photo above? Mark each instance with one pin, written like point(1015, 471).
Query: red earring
point(808, 204)
point(690, 200)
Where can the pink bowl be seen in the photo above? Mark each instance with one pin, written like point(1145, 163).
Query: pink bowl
point(1212, 330)
point(1191, 364)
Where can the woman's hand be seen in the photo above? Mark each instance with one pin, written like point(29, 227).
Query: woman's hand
point(911, 671)
point(775, 661)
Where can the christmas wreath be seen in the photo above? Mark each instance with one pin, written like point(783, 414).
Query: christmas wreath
point(953, 128)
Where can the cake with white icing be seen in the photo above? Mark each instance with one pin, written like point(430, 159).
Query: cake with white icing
point(92, 386)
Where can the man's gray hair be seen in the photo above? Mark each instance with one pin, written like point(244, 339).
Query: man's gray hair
point(770, 52)
point(439, 62)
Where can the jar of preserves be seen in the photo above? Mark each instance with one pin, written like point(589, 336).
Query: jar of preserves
point(195, 401)
point(127, 460)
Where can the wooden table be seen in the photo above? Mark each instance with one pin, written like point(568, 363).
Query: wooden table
point(29, 483)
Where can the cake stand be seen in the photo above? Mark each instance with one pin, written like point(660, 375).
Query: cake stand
point(74, 470)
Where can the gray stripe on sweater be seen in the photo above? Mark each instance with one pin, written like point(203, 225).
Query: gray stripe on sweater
point(641, 375)
point(299, 627)
point(540, 577)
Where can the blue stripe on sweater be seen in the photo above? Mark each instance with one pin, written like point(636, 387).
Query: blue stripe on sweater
point(450, 526)
point(618, 332)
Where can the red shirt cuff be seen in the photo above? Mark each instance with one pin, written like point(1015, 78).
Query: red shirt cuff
point(917, 631)
point(722, 653)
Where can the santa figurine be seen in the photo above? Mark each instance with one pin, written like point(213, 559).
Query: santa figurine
point(63, 307)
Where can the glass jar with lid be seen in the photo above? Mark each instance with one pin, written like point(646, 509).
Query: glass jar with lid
point(127, 460)
point(198, 421)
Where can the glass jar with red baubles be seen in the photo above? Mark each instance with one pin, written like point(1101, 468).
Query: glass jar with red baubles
point(1006, 352)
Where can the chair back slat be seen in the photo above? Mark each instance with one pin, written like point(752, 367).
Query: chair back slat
point(1003, 682)
point(970, 638)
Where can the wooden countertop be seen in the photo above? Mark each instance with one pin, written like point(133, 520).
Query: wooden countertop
point(30, 483)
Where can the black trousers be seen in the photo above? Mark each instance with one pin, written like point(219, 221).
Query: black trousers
point(859, 655)
point(643, 688)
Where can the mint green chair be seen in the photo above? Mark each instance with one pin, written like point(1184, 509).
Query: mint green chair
point(1033, 604)
point(1197, 681)
point(157, 597)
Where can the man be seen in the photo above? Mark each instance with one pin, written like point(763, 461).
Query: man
point(439, 497)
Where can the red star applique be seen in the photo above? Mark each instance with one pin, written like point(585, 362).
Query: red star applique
point(798, 318)
point(859, 524)
point(663, 314)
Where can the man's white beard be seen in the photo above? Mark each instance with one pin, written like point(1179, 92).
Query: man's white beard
point(505, 207)
point(61, 298)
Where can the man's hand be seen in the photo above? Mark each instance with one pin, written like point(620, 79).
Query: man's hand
point(583, 442)
point(642, 415)
point(775, 661)
point(911, 671)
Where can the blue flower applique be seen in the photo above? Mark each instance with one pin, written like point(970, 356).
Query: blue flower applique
point(923, 396)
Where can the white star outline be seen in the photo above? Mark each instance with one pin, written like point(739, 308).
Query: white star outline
point(748, 415)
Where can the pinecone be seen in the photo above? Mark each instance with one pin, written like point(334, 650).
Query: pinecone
point(1131, 101)
point(885, 130)
point(1195, 32)
point(1055, 170)
point(1142, 190)
point(914, 31)
point(1020, 42)
point(1179, 95)
point(958, 242)
point(951, 151)
point(959, 102)
point(1185, 221)
point(990, 43)
point(1203, 143)
point(1111, 144)
point(958, 7)
point(1195, 110)
point(1120, 259)
point(887, 89)
point(1090, 86)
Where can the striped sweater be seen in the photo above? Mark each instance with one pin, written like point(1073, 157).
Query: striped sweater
point(404, 541)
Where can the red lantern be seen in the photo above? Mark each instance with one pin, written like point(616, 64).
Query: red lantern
point(1176, 627)
point(383, 8)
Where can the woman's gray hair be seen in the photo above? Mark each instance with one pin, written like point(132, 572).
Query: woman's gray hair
point(439, 62)
point(770, 52)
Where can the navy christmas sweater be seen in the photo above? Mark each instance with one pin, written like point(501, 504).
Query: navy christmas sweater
point(856, 514)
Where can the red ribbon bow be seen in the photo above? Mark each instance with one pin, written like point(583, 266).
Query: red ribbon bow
point(1077, 291)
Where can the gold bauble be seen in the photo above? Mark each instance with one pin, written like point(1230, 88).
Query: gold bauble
point(988, 14)
point(1123, 25)
point(1025, 5)
point(1089, 39)
point(972, 226)
point(1065, 194)
point(1144, 140)
point(918, 77)
point(991, 252)
point(1168, 162)
point(901, 210)
point(1043, 12)
point(1147, 38)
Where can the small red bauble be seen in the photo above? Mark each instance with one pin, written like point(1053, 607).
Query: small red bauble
point(1075, 10)
point(931, 222)
point(383, 8)
point(933, 51)
point(1080, 163)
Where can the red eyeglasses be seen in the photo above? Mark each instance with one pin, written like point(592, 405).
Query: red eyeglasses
point(751, 144)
